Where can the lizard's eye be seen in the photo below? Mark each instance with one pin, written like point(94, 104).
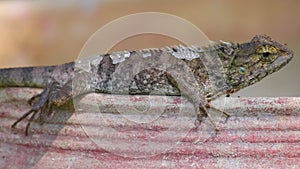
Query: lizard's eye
point(267, 52)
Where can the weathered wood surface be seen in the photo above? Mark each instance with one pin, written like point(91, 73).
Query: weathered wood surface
point(261, 133)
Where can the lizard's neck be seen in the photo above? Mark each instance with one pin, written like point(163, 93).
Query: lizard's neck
point(214, 81)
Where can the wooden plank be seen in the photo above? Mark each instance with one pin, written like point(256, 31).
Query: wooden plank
point(261, 133)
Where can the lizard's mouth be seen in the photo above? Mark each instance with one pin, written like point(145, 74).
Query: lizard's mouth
point(285, 58)
point(281, 61)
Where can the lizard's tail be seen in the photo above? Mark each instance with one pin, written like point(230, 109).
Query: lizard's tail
point(37, 77)
point(23, 77)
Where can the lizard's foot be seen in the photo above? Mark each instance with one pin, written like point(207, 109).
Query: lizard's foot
point(41, 103)
point(203, 109)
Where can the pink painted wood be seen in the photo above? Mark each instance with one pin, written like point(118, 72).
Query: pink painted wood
point(261, 133)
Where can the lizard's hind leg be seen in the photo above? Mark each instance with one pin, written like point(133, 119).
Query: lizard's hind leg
point(37, 103)
point(53, 95)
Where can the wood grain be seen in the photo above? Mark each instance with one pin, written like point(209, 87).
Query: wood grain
point(261, 133)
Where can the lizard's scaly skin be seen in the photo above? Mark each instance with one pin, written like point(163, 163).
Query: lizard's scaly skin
point(232, 67)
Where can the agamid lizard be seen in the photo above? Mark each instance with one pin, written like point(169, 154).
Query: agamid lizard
point(232, 67)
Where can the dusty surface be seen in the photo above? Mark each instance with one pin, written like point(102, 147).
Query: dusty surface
point(261, 133)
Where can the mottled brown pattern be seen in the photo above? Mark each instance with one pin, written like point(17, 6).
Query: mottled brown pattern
point(201, 74)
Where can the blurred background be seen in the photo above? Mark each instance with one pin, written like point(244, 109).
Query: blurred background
point(36, 33)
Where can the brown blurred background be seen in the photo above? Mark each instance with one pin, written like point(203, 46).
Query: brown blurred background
point(54, 32)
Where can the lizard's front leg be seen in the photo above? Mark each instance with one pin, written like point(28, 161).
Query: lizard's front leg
point(191, 91)
point(53, 95)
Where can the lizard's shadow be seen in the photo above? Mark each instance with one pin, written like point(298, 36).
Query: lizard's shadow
point(41, 137)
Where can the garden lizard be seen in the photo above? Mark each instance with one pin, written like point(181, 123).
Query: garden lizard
point(202, 74)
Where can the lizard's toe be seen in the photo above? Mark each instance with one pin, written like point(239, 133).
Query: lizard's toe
point(34, 99)
point(41, 104)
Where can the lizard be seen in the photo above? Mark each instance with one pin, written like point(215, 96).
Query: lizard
point(232, 66)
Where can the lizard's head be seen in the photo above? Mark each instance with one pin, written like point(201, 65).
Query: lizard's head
point(254, 60)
